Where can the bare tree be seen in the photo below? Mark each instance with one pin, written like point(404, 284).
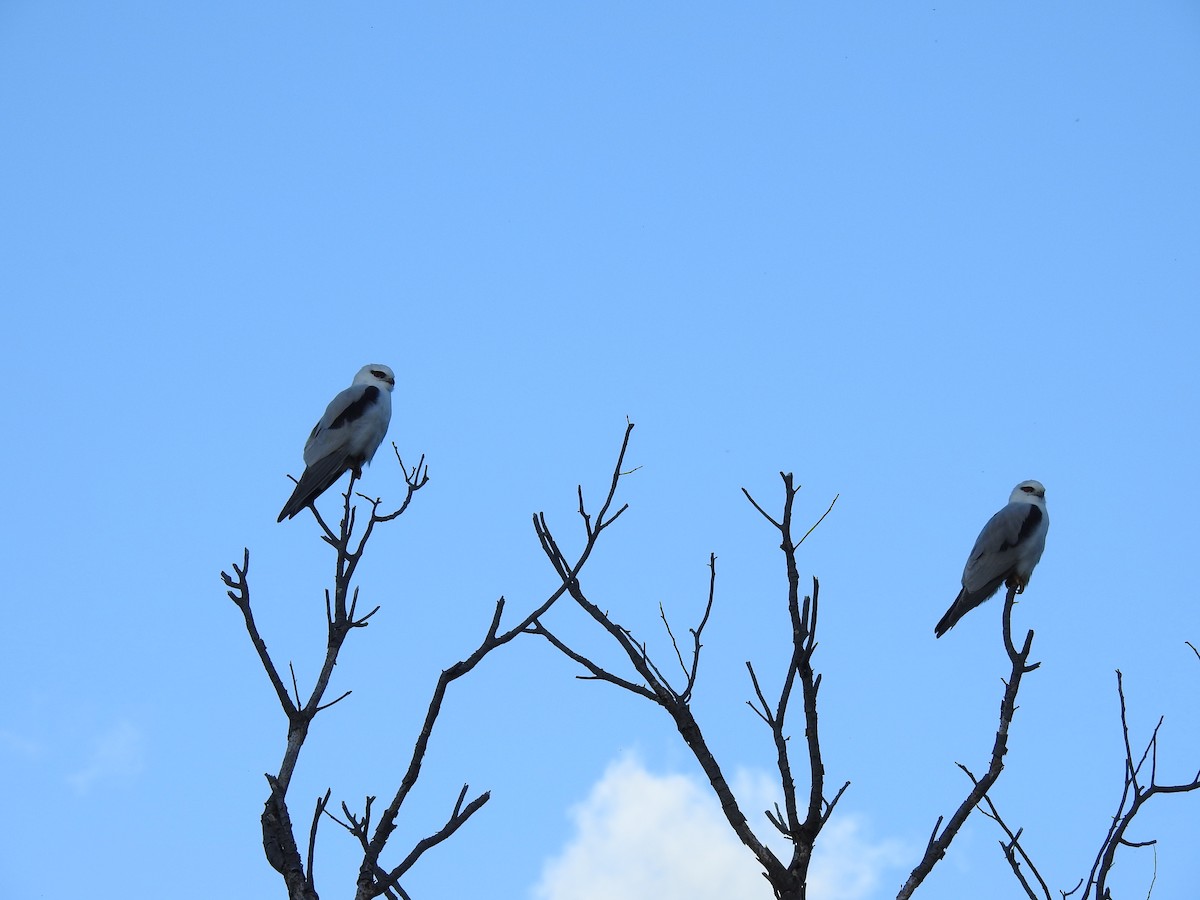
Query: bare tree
point(341, 613)
point(805, 810)
point(280, 843)
point(800, 824)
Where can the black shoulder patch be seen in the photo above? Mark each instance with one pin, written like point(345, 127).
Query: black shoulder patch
point(355, 410)
point(1031, 522)
point(1032, 519)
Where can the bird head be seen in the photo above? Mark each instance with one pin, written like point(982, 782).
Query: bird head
point(377, 374)
point(1029, 492)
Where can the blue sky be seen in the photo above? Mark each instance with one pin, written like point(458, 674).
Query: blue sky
point(913, 253)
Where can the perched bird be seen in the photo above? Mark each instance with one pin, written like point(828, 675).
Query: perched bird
point(346, 437)
point(1005, 552)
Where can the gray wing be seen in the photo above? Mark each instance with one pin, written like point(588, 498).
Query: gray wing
point(994, 557)
point(996, 549)
point(347, 435)
point(335, 431)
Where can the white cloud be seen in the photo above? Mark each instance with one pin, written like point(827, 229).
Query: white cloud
point(116, 753)
point(846, 865)
point(641, 836)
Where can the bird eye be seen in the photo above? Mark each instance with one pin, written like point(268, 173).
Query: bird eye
point(1027, 489)
point(377, 373)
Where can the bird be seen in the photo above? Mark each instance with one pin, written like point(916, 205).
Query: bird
point(346, 436)
point(1005, 552)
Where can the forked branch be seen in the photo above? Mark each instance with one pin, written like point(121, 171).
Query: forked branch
point(1138, 789)
point(374, 880)
point(801, 829)
point(939, 840)
point(787, 880)
point(279, 839)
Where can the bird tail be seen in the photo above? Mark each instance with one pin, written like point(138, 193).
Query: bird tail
point(316, 479)
point(962, 605)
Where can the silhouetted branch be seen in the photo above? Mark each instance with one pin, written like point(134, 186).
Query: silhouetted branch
point(239, 593)
point(414, 479)
point(322, 802)
point(1135, 794)
point(654, 687)
point(458, 816)
point(803, 615)
point(1013, 852)
point(279, 844)
point(598, 674)
point(788, 881)
point(939, 843)
point(341, 609)
point(686, 694)
point(372, 879)
point(279, 839)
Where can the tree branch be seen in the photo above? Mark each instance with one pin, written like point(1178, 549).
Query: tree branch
point(239, 593)
point(939, 843)
point(1012, 848)
point(787, 881)
point(1134, 796)
point(279, 839)
point(372, 880)
point(458, 816)
point(803, 617)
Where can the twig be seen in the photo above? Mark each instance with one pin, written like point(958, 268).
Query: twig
point(322, 802)
point(239, 593)
point(597, 673)
point(458, 816)
point(1012, 848)
point(686, 696)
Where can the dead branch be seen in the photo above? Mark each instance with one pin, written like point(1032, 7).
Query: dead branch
point(940, 842)
point(373, 880)
point(239, 593)
point(279, 839)
point(1014, 853)
point(1135, 794)
point(802, 615)
point(788, 881)
point(278, 836)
